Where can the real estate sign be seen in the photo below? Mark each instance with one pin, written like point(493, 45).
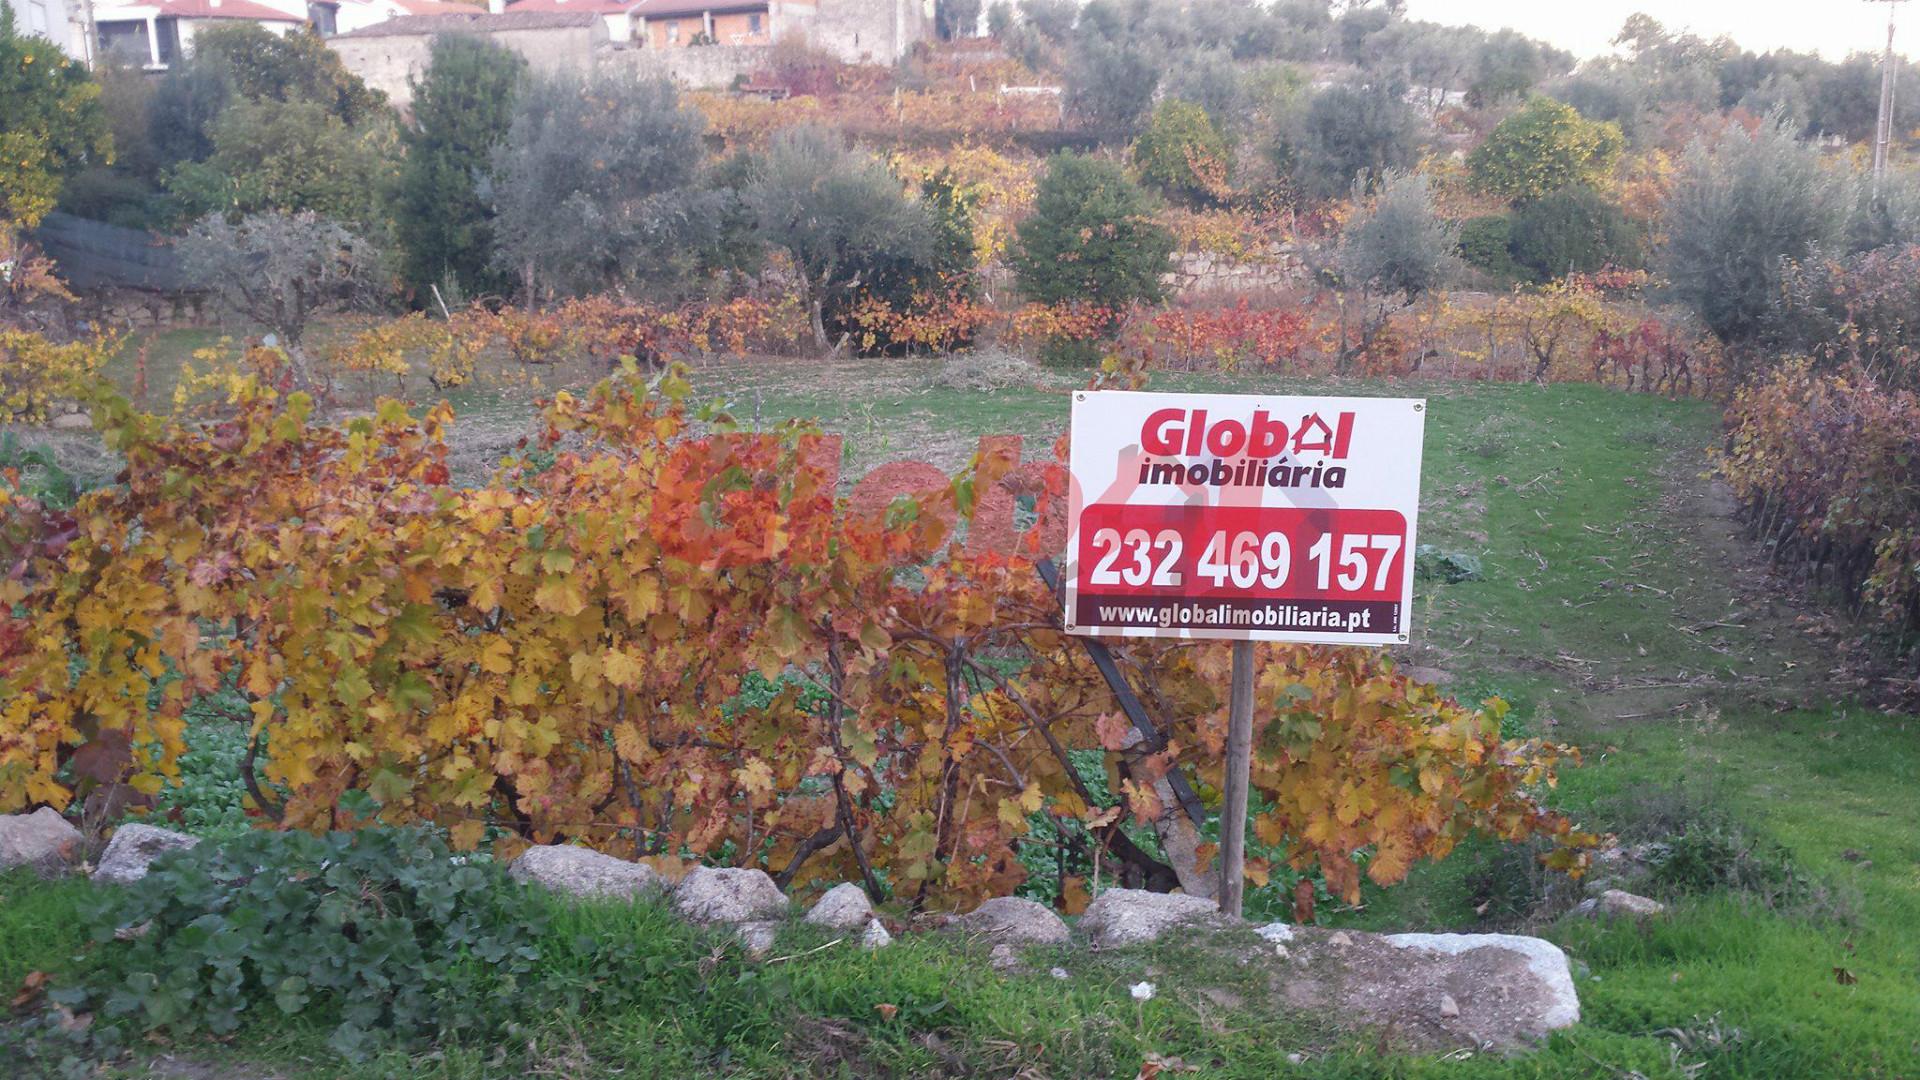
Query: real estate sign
point(1243, 516)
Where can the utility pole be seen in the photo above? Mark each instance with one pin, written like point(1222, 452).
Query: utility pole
point(1883, 127)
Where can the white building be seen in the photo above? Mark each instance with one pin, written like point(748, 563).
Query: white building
point(63, 22)
point(151, 33)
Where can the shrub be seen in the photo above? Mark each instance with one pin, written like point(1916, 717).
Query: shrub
point(1091, 238)
point(35, 373)
point(381, 934)
point(1396, 244)
point(798, 67)
point(1712, 855)
point(1224, 336)
point(1572, 230)
point(1544, 147)
point(288, 157)
point(546, 656)
point(185, 104)
point(986, 371)
point(1824, 468)
point(118, 198)
point(1859, 310)
point(1484, 243)
point(1051, 19)
point(264, 66)
point(1182, 154)
point(1509, 64)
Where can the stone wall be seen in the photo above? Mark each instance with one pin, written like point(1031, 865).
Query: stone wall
point(864, 31)
point(706, 67)
point(391, 61)
point(1199, 272)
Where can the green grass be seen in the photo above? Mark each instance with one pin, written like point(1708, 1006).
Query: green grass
point(39, 926)
point(1616, 611)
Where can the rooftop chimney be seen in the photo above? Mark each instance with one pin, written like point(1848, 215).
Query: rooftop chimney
point(496, 7)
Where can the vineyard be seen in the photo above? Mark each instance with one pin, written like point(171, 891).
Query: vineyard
point(498, 670)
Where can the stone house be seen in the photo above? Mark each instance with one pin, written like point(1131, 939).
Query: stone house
point(622, 26)
point(703, 44)
point(857, 31)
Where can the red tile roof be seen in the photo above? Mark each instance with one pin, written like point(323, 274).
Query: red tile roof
point(224, 9)
point(657, 9)
point(429, 25)
point(598, 7)
point(437, 7)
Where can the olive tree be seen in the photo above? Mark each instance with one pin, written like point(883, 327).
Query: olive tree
point(1353, 131)
point(837, 213)
point(1110, 84)
point(1394, 249)
point(593, 186)
point(281, 270)
point(1737, 209)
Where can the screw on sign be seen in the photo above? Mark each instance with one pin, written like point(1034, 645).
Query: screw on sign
point(1245, 518)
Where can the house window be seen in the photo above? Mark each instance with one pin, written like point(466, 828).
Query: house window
point(753, 23)
point(322, 16)
point(673, 33)
point(167, 37)
point(125, 39)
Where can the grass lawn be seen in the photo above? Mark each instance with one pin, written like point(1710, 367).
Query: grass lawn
point(1617, 610)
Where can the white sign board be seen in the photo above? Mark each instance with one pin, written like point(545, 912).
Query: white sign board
point(1243, 516)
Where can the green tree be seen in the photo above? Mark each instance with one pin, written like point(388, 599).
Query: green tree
point(1351, 131)
point(837, 213)
point(1091, 238)
point(51, 123)
point(462, 109)
point(185, 106)
point(1737, 209)
point(1544, 147)
point(264, 66)
point(1211, 79)
point(593, 187)
point(289, 156)
point(1572, 230)
point(1182, 154)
